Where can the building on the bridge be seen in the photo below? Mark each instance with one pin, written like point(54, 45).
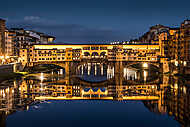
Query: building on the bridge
point(61, 53)
point(2, 37)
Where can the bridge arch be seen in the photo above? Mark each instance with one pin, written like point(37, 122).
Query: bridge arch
point(103, 54)
point(64, 65)
point(86, 54)
point(50, 64)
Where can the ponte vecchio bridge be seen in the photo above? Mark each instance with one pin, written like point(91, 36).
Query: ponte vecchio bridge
point(63, 54)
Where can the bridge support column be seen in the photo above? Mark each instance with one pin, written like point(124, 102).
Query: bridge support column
point(102, 69)
point(17, 67)
point(119, 78)
point(67, 68)
point(14, 68)
point(164, 65)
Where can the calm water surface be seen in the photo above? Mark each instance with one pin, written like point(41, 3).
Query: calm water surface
point(95, 94)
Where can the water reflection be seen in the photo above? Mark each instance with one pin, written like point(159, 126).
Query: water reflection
point(96, 81)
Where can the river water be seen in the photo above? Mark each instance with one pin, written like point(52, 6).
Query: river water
point(95, 94)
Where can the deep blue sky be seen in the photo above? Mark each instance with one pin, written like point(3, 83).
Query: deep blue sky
point(80, 21)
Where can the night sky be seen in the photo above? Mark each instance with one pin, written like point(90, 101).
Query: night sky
point(81, 21)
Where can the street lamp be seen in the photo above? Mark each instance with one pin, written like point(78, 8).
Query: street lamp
point(145, 65)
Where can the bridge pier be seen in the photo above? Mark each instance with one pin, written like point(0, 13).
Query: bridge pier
point(164, 65)
point(17, 67)
point(67, 68)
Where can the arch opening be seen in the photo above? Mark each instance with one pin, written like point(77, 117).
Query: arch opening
point(95, 54)
point(86, 54)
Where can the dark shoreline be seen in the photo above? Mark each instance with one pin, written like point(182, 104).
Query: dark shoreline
point(9, 76)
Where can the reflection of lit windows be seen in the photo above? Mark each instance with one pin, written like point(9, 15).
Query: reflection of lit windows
point(185, 63)
point(176, 63)
point(145, 65)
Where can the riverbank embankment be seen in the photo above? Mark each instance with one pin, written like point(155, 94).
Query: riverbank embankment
point(9, 75)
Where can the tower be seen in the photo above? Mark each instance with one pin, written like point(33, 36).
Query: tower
point(2, 37)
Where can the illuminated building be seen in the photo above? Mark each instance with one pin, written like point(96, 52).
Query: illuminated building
point(2, 37)
point(175, 45)
point(19, 38)
point(184, 46)
point(45, 39)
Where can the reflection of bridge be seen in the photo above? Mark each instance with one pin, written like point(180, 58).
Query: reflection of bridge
point(60, 90)
point(20, 94)
point(160, 98)
point(137, 92)
point(98, 98)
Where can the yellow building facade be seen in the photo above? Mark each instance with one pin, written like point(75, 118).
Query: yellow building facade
point(65, 53)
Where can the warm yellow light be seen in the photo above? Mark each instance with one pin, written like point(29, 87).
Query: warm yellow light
point(42, 77)
point(185, 63)
point(145, 73)
point(145, 65)
point(61, 71)
point(176, 86)
point(7, 57)
point(176, 63)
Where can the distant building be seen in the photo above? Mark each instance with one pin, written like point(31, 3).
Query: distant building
point(175, 44)
point(26, 38)
point(152, 36)
point(46, 39)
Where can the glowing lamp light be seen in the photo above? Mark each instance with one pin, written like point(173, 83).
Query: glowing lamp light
point(185, 63)
point(145, 65)
point(7, 57)
point(61, 71)
point(42, 77)
point(176, 63)
point(176, 86)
